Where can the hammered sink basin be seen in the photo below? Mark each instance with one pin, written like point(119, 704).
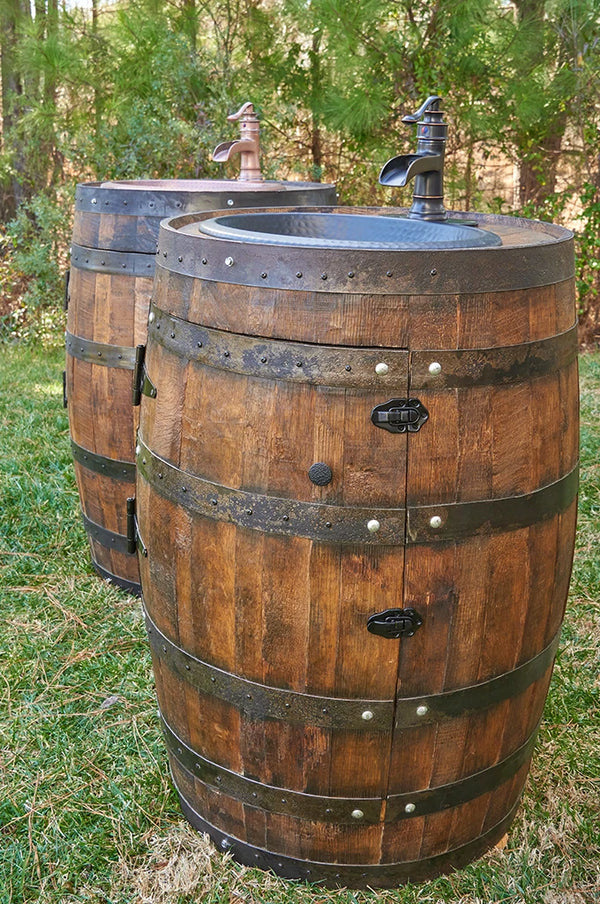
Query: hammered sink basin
point(337, 230)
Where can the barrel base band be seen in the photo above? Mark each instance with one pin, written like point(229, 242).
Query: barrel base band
point(133, 587)
point(122, 356)
point(100, 464)
point(335, 875)
point(259, 701)
point(340, 810)
point(348, 524)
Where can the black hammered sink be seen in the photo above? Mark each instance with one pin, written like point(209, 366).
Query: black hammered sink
point(337, 230)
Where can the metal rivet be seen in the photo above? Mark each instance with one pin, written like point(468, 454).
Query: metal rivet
point(422, 710)
point(160, 475)
point(328, 524)
point(299, 274)
point(187, 667)
point(94, 201)
point(165, 253)
point(286, 518)
point(230, 202)
point(229, 262)
point(435, 522)
point(204, 261)
point(373, 525)
point(357, 814)
point(351, 274)
point(323, 276)
point(325, 710)
point(389, 273)
point(248, 511)
point(180, 259)
point(433, 271)
point(298, 363)
point(172, 335)
point(103, 263)
point(184, 489)
point(367, 715)
point(213, 501)
point(199, 344)
point(381, 369)
point(263, 275)
point(435, 367)
point(263, 360)
point(348, 368)
point(409, 808)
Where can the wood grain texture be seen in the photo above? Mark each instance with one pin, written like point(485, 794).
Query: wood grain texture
point(290, 612)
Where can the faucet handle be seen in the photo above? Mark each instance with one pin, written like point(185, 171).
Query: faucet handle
point(430, 105)
point(245, 113)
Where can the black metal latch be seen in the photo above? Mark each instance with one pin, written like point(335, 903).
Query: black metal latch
point(400, 415)
point(394, 623)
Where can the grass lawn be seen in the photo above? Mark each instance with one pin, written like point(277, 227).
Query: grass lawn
point(87, 812)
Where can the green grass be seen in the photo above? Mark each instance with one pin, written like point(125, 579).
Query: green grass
point(87, 812)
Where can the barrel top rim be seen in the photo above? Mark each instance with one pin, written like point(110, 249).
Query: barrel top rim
point(546, 233)
point(199, 186)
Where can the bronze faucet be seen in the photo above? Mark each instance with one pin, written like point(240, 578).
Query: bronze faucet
point(247, 146)
point(426, 166)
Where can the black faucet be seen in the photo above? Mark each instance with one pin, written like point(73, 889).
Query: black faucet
point(426, 166)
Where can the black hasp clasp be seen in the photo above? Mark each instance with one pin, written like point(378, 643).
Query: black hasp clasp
point(394, 623)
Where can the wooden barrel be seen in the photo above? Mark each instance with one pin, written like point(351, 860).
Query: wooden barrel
point(115, 232)
point(356, 503)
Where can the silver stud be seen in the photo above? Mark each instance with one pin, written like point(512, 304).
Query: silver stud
point(381, 369)
point(151, 317)
point(230, 202)
point(422, 710)
point(373, 525)
point(229, 262)
point(367, 715)
point(435, 522)
point(435, 368)
point(94, 201)
point(409, 808)
point(357, 814)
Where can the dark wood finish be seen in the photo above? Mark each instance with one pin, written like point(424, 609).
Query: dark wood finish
point(111, 308)
point(290, 612)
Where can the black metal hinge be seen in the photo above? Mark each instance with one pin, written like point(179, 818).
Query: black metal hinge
point(142, 384)
point(134, 540)
point(400, 415)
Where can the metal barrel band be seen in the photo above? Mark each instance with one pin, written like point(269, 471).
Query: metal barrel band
point(430, 523)
point(275, 359)
point(348, 524)
point(267, 797)
point(105, 537)
point(346, 810)
point(100, 464)
point(185, 249)
point(435, 708)
point(266, 702)
point(124, 263)
point(349, 367)
point(259, 701)
point(269, 514)
point(363, 875)
point(140, 201)
point(122, 356)
point(132, 587)
point(466, 368)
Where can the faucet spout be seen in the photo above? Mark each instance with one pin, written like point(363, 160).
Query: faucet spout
point(247, 145)
point(399, 170)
